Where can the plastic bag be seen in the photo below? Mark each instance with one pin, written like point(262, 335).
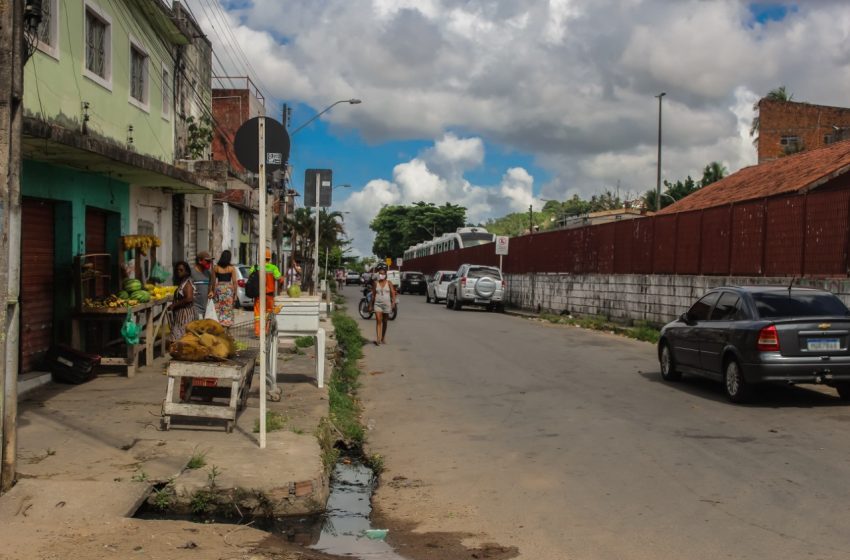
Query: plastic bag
point(130, 330)
point(210, 312)
point(158, 274)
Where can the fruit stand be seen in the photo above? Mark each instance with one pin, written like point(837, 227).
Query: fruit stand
point(102, 311)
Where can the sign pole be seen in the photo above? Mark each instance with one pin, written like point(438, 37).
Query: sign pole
point(262, 269)
point(316, 244)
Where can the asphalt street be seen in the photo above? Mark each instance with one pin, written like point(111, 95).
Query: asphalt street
point(567, 444)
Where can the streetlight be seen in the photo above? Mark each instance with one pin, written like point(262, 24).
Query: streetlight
point(325, 110)
point(658, 175)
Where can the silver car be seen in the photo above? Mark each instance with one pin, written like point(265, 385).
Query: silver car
point(437, 284)
point(476, 285)
point(242, 300)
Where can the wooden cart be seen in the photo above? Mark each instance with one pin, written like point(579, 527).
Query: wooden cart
point(152, 314)
point(237, 372)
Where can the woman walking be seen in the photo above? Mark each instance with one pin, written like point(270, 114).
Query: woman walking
point(382, 303)
point(224, 289)
point(183, 307)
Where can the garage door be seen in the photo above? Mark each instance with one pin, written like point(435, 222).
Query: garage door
point(37, 285)
point(95, 230)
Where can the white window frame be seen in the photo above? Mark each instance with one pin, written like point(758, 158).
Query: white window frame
point(51, 50)
point(144, 104)
point(105, 82)
point(167, 94)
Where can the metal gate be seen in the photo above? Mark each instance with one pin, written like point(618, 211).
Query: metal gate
point(37, 222)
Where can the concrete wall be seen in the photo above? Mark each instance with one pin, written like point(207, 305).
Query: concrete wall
point(633, 297)
point(154, 206)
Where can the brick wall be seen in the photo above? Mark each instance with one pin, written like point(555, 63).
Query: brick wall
point(810, 123)
point(632, 297)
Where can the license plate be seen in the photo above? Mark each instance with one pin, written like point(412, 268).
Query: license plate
point(479, 300)
point(414, 282)
point(822, 344)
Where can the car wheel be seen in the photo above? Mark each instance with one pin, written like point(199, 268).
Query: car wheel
point(843, 391)
point(458, 303)
point(448, 302)
point(668, 364)
point(737, 388)
point(427, 297)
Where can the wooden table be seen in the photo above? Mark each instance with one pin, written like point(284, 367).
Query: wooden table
point(152, 314)
point(238, 371)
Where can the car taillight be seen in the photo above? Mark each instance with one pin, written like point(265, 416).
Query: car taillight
point(768, 340)
point(241, 283)
point(463, 282)
point(504, 284)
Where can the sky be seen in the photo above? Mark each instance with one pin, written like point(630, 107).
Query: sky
point(498, 104)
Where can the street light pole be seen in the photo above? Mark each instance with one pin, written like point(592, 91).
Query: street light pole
point(658, 173)
point(325, 110)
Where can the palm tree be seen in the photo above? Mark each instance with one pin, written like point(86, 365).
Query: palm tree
point(712, 173)
point(776, 94)
point(301, 224)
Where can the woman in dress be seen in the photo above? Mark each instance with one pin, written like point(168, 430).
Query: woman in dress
point(183, 307)
point(382, 303)
point(224, 286)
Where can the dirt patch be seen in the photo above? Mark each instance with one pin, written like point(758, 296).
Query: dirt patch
point(436, 546)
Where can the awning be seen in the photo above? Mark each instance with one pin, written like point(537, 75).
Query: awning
point(56, 145)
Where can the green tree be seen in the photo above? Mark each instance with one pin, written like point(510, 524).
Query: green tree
point(398, 227)
point(712, 173)
point(301, 225)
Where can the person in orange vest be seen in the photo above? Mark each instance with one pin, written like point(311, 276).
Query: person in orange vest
point(273, 275)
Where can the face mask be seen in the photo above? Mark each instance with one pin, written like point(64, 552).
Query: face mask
point(382, 276)
point(206, 265)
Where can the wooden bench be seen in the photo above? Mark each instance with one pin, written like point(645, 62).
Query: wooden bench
point(237, 371)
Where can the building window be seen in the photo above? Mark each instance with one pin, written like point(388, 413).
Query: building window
point(48, 29)
point(166, 94)
point(138, 75)
point(791, 144)
point(98, 46)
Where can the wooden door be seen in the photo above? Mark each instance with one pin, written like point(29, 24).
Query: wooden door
point(37, 277)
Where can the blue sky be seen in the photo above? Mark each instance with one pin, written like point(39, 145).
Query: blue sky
point(498, 104)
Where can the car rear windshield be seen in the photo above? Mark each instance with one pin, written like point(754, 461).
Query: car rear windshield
point(413, 276)
point(778, 304)
point(483, 271)
point(448, 277)
point(244, 271)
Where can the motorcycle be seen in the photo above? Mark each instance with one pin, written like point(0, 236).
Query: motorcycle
point(365, 302)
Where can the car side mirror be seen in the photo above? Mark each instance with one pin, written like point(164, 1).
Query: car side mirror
point(685, 318)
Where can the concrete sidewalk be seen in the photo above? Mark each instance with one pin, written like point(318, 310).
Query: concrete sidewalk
point(90, 454)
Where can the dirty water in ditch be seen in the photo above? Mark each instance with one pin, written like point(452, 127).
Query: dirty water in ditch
point(343, 530)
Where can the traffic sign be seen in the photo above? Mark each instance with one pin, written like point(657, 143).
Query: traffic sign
point(399, 262)
point(389, 261)
point(246, 145)
point(502, 245)
point(325, 178)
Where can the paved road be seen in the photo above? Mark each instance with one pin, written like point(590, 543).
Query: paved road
point(567, 444)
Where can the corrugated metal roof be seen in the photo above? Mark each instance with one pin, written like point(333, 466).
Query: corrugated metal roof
point(796, 173)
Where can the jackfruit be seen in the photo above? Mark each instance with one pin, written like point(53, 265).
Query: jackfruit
point(188, 351)
point(205, 326)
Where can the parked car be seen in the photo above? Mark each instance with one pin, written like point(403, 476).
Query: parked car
point(352, 277)
point(476, 285)
point(241, 278)
point(437, 284)
point(412, 282)
point(744, 336)
point(395, 277)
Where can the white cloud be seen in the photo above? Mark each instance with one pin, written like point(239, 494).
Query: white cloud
point(571, 82)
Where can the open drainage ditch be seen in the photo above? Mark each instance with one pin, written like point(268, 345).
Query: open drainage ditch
point(343, 530)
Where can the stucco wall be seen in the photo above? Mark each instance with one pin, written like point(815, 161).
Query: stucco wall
point(56, 87)
point(630, 297)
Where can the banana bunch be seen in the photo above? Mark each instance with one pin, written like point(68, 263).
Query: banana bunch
point(160, 292)
point(112, 301)
point(141, 242)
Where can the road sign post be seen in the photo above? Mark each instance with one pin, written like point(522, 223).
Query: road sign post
point(502, 242)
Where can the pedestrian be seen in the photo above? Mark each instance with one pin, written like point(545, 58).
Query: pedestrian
point(201, 275)
point(340, 279)
point(293, 274)
point(182, 308)
point(224, 289)
point(382, 303)
point(273, 276)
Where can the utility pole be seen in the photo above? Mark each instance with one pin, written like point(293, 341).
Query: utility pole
point(12, 58)
point(530, 219)
point(658, 174)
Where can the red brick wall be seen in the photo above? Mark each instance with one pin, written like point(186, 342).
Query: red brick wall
point(811, 123)
point(231, 108)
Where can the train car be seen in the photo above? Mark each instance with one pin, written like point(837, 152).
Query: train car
point(462, 238)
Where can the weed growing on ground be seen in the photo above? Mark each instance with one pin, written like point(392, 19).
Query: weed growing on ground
point(326, 435)
point(274, 421)
point(197, 460)
point(298, 431)
point(304, 341)
point(140, 476)
point(376, 463)
point(343, 385)
point(641, 330)
point(163, 498)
